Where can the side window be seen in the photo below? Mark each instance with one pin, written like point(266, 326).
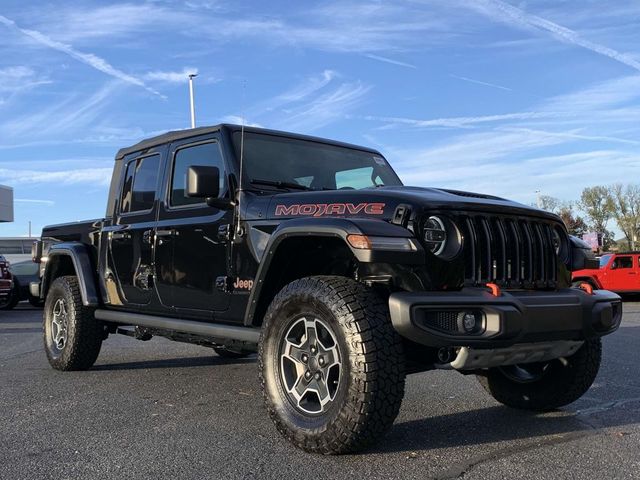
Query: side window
point(624, 262)
point(139, 190)
point(205, 154)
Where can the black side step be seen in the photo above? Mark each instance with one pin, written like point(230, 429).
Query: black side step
point(227, 332)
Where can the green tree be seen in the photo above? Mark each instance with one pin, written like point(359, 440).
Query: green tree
point(626, 210)
point(598, 206)
point(575, 224)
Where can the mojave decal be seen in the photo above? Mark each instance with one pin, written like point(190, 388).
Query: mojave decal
point(321, 209)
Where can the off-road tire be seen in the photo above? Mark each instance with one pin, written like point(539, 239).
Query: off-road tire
point(371, 386)
point(84, 332)
point(564, 381)
point(230, 354)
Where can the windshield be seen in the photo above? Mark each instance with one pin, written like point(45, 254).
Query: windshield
point(604, 260)
point(283, 162)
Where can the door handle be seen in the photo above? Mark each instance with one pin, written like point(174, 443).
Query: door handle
point(166, 233)
point(119, 235)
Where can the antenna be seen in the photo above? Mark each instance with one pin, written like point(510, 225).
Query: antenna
point(191, 103)
point(239, 231)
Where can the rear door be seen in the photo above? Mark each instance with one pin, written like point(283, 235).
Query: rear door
point(130, 237)
point(191, 241)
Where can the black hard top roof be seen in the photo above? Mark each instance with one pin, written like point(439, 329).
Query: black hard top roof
point(194, 132)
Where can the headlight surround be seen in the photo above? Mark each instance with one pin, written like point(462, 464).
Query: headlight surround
point(441, 237)
point(560, 243)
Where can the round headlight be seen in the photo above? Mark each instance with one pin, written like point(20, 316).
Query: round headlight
point(441, 237)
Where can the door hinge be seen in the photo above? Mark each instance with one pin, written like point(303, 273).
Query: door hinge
point(224, 232)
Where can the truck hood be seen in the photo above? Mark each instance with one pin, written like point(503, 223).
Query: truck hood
point(382, 202)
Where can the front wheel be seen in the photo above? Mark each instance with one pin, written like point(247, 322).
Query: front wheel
point(331, 365)
point(547, 385)
point(72, 336)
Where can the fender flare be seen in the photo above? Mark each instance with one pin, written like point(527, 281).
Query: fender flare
point(336, 228)
point(83, 267)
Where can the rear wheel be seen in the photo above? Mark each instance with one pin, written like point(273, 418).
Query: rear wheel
point(331, 365)
point(547, 385)
point(72, 336)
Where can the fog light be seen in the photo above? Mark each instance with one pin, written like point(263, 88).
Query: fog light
point(471, 322)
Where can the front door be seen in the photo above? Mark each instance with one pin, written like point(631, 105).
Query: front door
point(131, 233)
point(623, 274)
point(191, 245)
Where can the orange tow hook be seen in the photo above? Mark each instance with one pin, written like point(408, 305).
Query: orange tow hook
point(495, 289)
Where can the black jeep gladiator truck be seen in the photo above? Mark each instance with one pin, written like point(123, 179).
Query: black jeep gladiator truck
point(314, 253)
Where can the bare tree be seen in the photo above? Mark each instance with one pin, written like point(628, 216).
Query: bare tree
point(597, 204)
point(626, 210)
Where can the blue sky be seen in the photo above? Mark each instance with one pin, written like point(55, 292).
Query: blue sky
point(495, 97)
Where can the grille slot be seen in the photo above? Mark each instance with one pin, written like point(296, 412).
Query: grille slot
point(512, 252)
point(445, 321)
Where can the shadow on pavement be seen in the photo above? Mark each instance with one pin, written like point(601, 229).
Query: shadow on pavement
point(187, 362)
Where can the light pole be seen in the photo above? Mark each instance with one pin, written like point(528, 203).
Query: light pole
point(193, 108)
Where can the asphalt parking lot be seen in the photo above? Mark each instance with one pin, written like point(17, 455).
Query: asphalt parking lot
point(161, 409)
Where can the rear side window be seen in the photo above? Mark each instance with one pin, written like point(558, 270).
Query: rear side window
point(205, 154)
point(139, 190)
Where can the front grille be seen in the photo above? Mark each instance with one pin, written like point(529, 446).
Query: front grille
point(510, 251)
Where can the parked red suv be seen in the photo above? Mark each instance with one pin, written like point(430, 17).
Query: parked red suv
point(619, 272)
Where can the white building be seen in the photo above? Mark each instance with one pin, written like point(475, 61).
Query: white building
point(6, 204)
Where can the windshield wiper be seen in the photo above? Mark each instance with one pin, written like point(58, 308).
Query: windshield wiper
point(279, 184)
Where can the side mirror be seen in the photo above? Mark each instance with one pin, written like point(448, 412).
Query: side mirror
point(204, 182)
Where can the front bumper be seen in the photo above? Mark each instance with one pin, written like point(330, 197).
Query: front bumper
point(513, 317)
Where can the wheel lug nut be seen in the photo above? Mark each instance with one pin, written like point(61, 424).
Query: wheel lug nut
point(305, 357)
point(307, 374)
point(318, 375)
point(313, 349)
point(321, 361)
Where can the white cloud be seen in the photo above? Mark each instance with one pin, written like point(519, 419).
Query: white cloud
point(327, 107)
point(460, 122)
point(380, 58)
point(89, 59)
point(92, 176)
point(505, 13)
point(70, 115)
point(479, 82)
point(238, 120)
point(171, 76)
point(13, 79)
point(48, 203)
point(308, 87)
point(84, 23)
point(311, 104)
point(346, 26)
